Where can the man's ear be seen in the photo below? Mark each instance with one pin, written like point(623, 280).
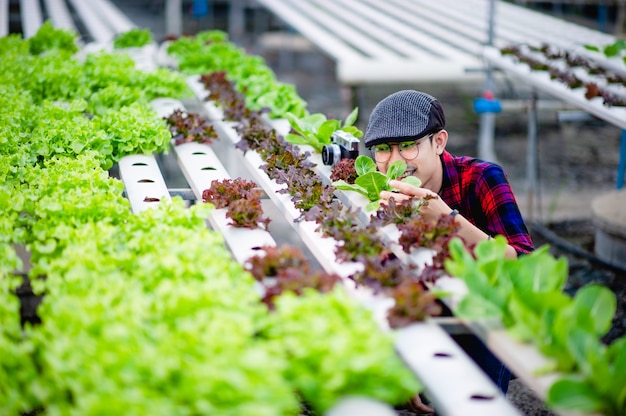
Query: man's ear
point(440, 141)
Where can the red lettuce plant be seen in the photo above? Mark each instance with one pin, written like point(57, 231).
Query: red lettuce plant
point(287, 165)
point(242, 199)
point(344, 170)
point(190, 127)
point(290, 270)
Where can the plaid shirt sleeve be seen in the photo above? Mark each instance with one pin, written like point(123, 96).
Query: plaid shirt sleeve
point(481, 192)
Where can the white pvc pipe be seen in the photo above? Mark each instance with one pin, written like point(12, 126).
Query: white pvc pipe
point(173, 17)
point(60, 14)
point(4, 17)
point(31, 17)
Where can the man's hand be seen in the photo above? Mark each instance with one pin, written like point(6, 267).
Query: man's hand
point(431, 211)
point(416, 405)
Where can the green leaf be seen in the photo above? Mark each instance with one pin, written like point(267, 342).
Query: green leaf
point(615, 48)
point(574, 395)
point(460, 260)
point(345, 186)
point(296, 139)
point(396, 169)
point(477, 307)
point(600, 303)
point(491, 250)
point(527, 322)
point(616, 354)
point(135, 37)
point(589, 354)
point(539, 271)
point(374, 183)
point(364, 164)
point(304, 124)
point(353, 130)
point(325, 130)
point(372, 206)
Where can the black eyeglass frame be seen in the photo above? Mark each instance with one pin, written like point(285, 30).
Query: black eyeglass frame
point(416, 142)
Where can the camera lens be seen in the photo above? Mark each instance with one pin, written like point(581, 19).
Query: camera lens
point(331, 154)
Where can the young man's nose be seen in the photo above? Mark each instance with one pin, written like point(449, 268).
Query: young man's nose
point(395, 154)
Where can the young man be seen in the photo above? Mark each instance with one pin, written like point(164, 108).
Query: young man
point(410, 126)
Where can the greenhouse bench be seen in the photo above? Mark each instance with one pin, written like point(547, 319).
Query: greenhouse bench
point(414, 41)
point(101, 19)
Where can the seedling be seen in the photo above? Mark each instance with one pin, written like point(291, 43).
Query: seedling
point(371, 181)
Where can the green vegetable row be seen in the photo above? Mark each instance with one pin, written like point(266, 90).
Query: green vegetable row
point(147, 313)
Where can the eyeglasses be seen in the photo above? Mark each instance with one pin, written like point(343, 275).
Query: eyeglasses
point(408, 150)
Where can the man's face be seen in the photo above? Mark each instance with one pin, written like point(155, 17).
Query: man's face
point(421, 156)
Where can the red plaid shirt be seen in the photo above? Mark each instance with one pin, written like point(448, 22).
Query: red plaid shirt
point(481, 192)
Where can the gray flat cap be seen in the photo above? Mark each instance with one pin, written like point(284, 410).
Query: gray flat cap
point(402, 116)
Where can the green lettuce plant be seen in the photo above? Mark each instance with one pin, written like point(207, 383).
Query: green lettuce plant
point(316, 130)
point(526, 296)
point(371, 181)
point(49, 38)
point(133, 38)
point(341, 357)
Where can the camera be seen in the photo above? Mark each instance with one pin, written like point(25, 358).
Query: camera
point(344, 146)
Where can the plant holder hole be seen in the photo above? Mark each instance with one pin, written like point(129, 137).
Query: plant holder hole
point(482, 397)
point(140, 164)
point(209, 168)
point(145, 181)
point(442, 355)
